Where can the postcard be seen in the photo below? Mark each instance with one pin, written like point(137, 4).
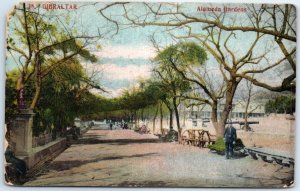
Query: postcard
point(141, 94)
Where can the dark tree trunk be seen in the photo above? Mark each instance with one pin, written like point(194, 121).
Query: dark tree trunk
point(227, 107)
point(214, 115)
point(38, 85)
point(161, 117)
point(135, 119)
point(177, 119)
point(154, 119)
point(171, 118)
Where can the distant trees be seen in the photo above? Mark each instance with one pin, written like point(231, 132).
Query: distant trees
point(281, 104)
point(134, 104)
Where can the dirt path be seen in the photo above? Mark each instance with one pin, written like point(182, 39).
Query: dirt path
point(155, 165)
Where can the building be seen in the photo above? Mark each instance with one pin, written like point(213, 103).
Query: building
point(255, 110)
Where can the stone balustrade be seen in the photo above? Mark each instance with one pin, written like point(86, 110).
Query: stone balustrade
point(41, 140)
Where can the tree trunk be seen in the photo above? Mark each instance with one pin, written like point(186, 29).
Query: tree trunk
point(138, 119)
point(227, 107)
point(36, 97)
point(154, 119)
point(142, 115)
point(38, 74)
point(246, 114)
point(161, 117)
point(135, 119)
point(214, 118)
point(171, 118)
point(38, 85)
point(249, 85)
point(177, 119)
point(184, 116)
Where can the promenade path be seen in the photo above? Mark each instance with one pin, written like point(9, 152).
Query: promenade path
point(125, 158)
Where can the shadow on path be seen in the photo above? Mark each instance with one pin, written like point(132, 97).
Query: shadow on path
point(68, 164)
point(117, 141)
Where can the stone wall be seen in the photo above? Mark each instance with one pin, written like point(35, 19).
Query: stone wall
point(43, 153)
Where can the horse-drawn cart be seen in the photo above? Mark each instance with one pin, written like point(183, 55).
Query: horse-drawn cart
point(197, 137)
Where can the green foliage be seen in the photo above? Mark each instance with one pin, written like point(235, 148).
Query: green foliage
point(10, 102)
point(64, 96)
point(281, 104)
point(176, 59)
point(183, 54)
point(48, 118)
point(219, 146)
point(45, 46)
point(134, 103)
point(174, 62)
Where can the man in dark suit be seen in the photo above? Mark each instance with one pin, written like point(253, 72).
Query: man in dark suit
point(229, 139)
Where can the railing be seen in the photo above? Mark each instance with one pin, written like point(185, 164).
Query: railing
point(41, 140)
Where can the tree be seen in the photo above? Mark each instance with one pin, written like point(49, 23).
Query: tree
point(155, 90)
point(276, 22)
point(263, 25)
point(185, 58)
point(65, 96)
point(167, 70)
point(41, 43)
point(247, 94)
point(281, 104)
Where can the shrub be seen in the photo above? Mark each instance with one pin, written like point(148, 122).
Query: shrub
point(219, 146)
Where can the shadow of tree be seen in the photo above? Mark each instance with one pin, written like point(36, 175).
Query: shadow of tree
point(93, 140)
point(66, 165)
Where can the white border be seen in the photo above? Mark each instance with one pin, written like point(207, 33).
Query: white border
point(7, 5)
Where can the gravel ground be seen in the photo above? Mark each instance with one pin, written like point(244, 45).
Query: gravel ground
point(154, 165)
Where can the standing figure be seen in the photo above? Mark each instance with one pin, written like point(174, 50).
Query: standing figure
point(110, 126)
point(229, 139)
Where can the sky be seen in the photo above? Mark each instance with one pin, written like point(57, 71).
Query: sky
point(126, 56)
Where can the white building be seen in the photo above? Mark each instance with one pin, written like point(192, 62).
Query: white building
point(255, 109)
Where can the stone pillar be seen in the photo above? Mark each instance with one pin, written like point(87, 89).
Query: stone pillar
point(21, 133)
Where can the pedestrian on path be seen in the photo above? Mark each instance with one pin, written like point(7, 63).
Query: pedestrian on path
point(229, 139)
point(110, 126)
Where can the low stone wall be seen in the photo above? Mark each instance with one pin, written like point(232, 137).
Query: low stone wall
point(43, 153)
point(41, 140)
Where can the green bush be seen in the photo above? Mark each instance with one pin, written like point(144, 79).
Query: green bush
point(219, 146)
